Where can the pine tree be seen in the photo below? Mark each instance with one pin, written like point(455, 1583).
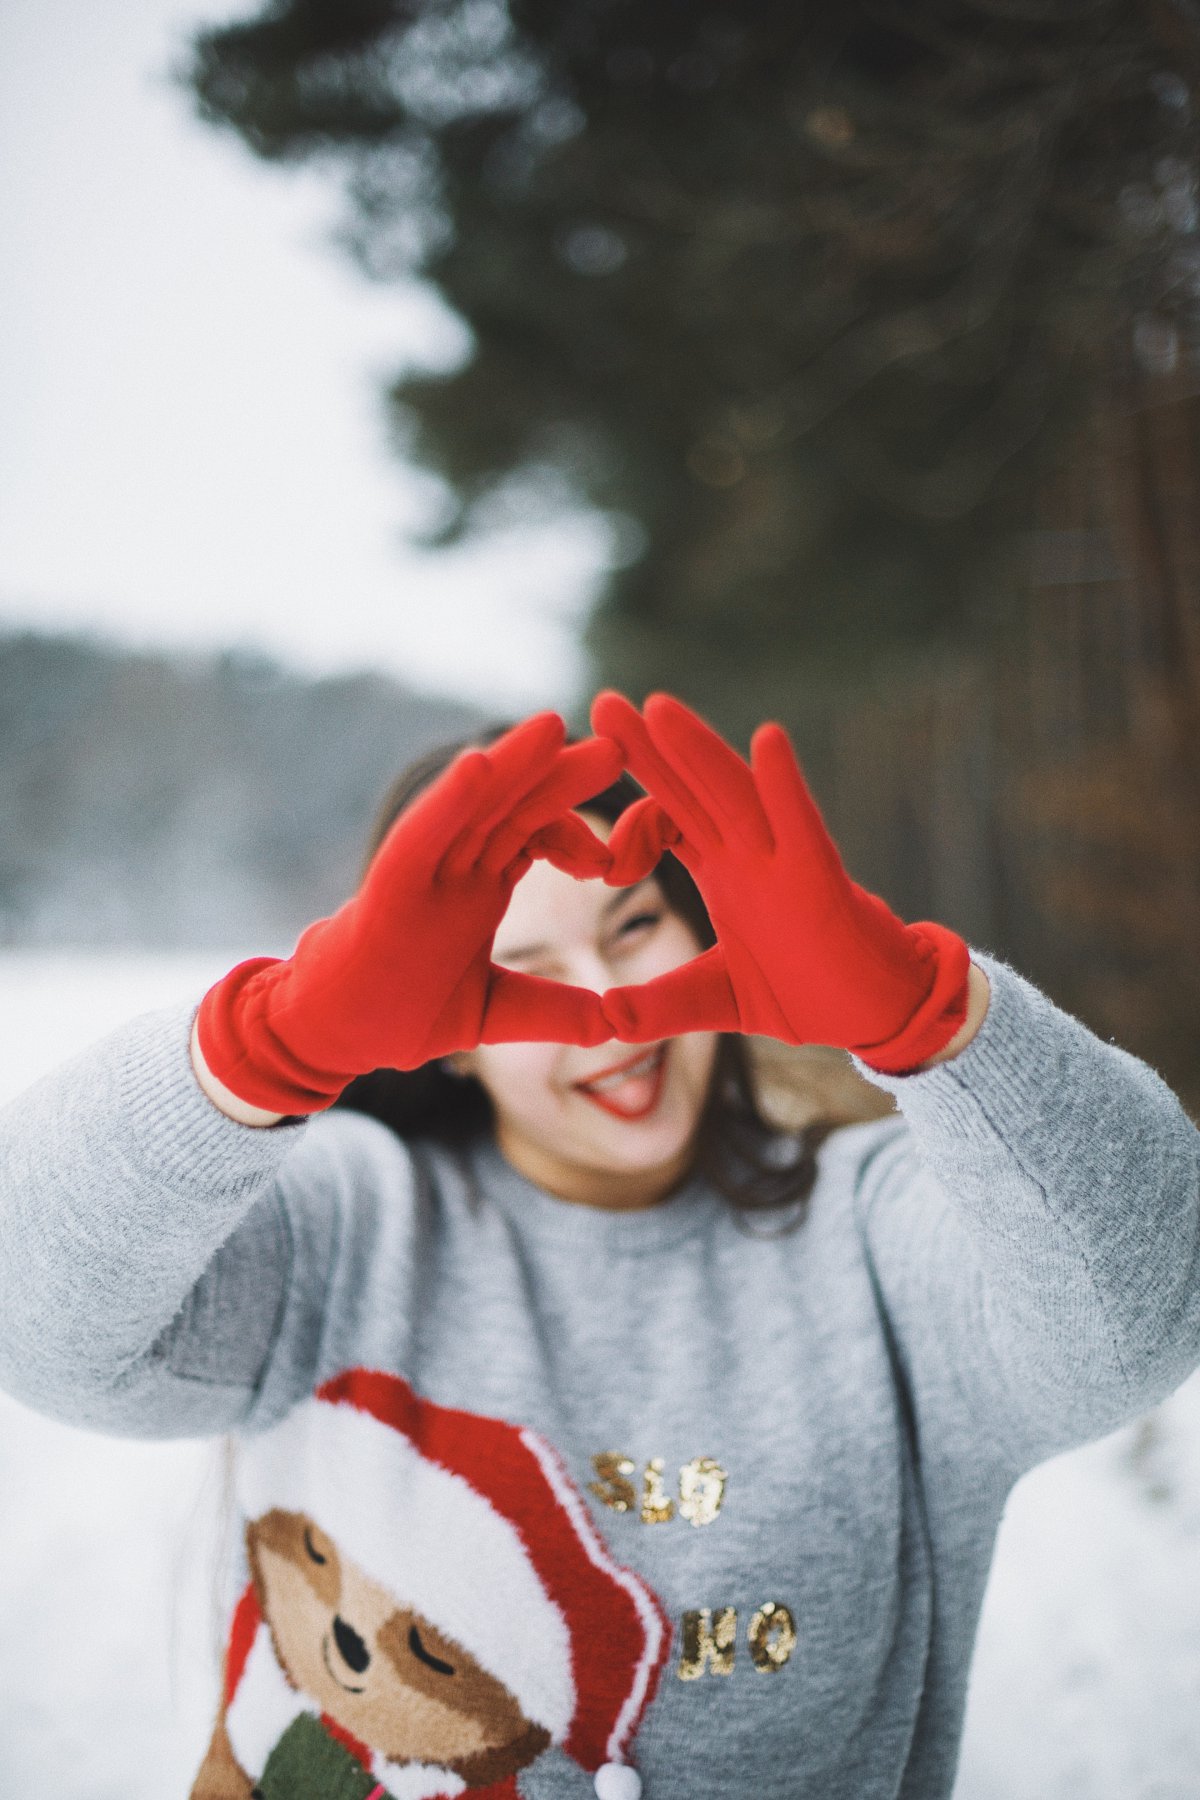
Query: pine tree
point(804, 298)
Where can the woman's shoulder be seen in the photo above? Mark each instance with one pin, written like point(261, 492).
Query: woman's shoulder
point(349, 1153)
point(367, 1168)
point(853, 1148)
point(870, 1160)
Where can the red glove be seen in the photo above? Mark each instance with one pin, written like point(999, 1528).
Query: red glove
point(402, 972)
point(803, 953)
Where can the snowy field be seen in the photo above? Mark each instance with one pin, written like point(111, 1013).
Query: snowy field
point(1086, 1683)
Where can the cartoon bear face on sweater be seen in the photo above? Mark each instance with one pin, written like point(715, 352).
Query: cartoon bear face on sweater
point(381, 1670)
point(428, 1607)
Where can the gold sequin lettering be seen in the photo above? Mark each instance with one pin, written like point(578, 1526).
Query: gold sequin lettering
point(656, 1507)
point(771, 1636)
point(701, 1490)
point(612, 1487)
point(707, 1640)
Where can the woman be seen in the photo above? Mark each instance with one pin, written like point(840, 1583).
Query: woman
point(559, 1475)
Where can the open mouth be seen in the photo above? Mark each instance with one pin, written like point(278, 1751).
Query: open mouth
point(629, 1089)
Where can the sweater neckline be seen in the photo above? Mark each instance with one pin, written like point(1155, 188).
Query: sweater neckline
point(545, 1216)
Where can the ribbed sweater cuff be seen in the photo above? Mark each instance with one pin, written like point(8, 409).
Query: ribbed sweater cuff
point(176, 1134)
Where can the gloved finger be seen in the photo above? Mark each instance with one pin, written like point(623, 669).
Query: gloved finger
point(695, 997)
point(528, 1009)
point(795, 817)
point(616, 717)
point(714, 770)
point(423, 832)
point(639, 839)
point(579, 772)
point(527, 742)
point(571, 845)
point(515, 763)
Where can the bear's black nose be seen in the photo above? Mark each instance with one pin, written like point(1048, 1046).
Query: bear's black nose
point(353, 1650)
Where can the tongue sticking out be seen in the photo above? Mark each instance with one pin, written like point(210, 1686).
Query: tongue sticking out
point(631, 1096)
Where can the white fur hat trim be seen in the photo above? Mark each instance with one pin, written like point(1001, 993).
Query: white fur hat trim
point(426, 1535)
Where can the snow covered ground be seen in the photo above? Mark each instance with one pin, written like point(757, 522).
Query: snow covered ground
point(1086, 1682)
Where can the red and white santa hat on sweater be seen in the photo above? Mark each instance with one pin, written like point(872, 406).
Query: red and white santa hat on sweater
point(476, 1524)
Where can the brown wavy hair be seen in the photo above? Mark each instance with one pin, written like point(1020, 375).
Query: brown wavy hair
point(761, 1161)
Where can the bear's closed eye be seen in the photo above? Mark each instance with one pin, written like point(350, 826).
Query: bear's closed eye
point(427, 1656)
point(312, 1549)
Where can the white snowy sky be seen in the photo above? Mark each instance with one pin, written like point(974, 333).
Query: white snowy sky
point(192, 443)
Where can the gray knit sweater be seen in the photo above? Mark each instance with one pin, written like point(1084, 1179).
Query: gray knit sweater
point(537, 1495)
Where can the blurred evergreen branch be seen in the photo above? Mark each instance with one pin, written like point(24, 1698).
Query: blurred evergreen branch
point(804, 298)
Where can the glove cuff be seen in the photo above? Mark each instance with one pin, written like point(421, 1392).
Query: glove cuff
point(940, 1014)
point(246, 1054)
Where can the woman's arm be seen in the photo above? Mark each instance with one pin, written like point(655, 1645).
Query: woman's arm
point(161, 1204)
point(1037, 1232)
point(145, 1247)
point(1042, 1231)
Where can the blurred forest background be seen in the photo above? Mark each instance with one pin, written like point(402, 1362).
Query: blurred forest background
point(873, 329)
point(185, 803)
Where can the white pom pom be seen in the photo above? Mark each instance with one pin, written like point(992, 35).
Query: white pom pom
point(615, 1781)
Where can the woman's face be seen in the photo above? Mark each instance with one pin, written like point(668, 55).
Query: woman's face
point(628, 1143)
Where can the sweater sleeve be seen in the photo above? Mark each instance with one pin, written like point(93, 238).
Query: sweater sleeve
point(1036, 1231)
point(146, 1246)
